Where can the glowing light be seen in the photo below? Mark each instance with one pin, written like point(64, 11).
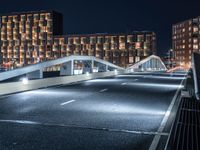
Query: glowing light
point(132, 70)
point(25, 80)
point(95, 69)
point(79, 71)
point(115, 71)
point(156, 85)
point(87, 73)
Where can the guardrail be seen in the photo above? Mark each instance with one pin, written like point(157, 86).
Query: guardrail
point(15, 87)
point(170, 145)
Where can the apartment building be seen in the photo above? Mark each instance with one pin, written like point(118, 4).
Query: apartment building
point(26, 38)
point(32, 37)
point(120, 49)
point(185, 41)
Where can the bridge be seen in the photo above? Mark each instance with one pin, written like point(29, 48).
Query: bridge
point(130, 108)
point(151, 63)
point(66, 67)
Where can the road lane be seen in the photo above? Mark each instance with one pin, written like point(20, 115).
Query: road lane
point(138, 106)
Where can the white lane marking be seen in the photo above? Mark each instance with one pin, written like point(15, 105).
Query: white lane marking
point(19, 121)
point(67, 102)
point(157, 137)
point(124, 83)
point(103, 90)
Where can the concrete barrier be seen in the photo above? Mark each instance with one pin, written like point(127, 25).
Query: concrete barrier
point(196, 73)
point(15, 87)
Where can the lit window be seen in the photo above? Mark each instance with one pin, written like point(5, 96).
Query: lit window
point(195, 40)
point(195, 46)
point(137, 45)
point(140, 38)
point(195, 29)
point(137, 59)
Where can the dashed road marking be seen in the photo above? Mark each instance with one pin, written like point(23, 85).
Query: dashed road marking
point(103, 90)
point(65, 103)
point(124, 83)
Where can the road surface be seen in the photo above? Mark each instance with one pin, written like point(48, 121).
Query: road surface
point(115, 113)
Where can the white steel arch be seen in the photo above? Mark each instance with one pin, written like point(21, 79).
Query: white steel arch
point(36, 69)
point(151, 63)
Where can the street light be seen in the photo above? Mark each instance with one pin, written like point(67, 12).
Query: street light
point(170, 58)
point(25, 80)
point(87, 73)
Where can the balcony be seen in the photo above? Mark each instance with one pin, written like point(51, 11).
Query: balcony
point(76, 52)
point(42, 17)
point(68, 53)
point(36, 17)
point(122, 39)
point(130, 39)
point(84, 40)
point(100, 40)
point(4, 19)
point(77, 41)
point(16, 56)
point(48, 54)
point(48, 16)
point(55, 48)
point(70, 47)
point(122, 46)
point(93, 40)
point(41, 49)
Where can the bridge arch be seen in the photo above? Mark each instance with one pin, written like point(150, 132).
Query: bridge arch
point(151, 63)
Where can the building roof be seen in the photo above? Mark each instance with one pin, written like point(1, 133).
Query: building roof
point(104, 34)
point(28, 12)
point(185, 21)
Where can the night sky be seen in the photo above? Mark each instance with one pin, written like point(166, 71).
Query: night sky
point(110, 16)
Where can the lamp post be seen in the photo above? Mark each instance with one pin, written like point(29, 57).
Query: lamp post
point(171, 58)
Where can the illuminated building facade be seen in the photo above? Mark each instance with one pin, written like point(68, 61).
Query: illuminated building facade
point(120, 49)
point(185, 41)
point(31, 37)
point(26, 38)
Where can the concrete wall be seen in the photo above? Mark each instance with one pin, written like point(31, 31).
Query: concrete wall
point(14, 87)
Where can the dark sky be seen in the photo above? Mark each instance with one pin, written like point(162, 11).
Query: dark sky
point(108, 16)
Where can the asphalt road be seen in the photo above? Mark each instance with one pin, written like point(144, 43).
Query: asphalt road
point(121, 112)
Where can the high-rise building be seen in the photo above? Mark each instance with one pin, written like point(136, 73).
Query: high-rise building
point(32, 37)
point(185, 41)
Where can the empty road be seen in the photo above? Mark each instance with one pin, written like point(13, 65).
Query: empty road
point(115, 113)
